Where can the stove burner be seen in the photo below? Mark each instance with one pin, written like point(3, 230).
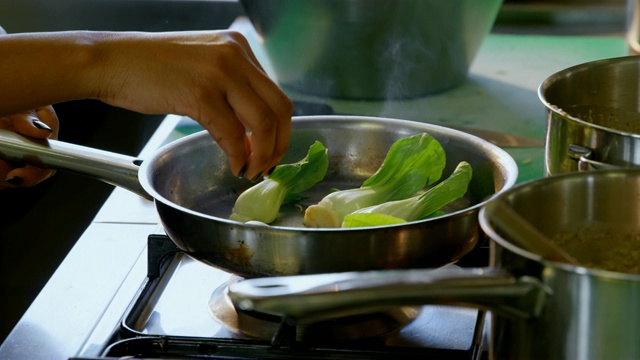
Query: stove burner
point(352, 328)
point(161, 322)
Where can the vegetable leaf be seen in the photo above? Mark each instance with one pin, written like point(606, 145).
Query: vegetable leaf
point(371, 219)
point(262, 201)
point(411, 163)
point(416, 207)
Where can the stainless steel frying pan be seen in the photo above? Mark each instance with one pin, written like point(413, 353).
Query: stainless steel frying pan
point(194, 191)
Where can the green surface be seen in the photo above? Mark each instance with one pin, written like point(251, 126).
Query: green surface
point(500, 93)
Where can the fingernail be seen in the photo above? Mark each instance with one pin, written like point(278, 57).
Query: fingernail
point(41, 125)
point(242, 171)
point(16, 180)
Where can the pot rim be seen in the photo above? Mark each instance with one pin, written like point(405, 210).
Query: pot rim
point(580, 68)
point(487, 227)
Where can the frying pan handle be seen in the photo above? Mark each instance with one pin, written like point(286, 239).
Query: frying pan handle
point(112, 168)
point(313, 298)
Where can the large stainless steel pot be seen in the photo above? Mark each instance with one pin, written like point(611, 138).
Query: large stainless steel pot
point(540, 309)
point(194, 192)
point(360, 50)
point(592, 116)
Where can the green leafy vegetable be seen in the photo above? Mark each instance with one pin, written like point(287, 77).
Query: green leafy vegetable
point(411, 164)
point(262, 201)
point(356, 219)
point(417, 207)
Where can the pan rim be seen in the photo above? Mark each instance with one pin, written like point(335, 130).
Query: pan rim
point(506, 161)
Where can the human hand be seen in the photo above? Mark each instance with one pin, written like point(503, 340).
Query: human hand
point(40, 123)
point(212, 77)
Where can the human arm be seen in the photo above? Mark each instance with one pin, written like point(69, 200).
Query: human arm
point(39, 123)
point(210, 76)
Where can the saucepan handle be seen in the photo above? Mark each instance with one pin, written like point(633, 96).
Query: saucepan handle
point(583, 155)
point(312, 298)
point(112, 168)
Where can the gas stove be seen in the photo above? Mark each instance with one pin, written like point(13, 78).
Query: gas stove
point(181, 311)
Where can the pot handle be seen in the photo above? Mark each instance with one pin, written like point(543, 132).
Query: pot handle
point(582, 155)
point(112, 168)
point(312, 298)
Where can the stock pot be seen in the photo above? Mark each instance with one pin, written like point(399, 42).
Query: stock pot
point(541, 309)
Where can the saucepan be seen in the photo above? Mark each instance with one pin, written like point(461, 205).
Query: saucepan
point(592, 116)
point(194, 192)
point(540, 309)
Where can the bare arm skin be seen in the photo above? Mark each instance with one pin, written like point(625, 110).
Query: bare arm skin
point(212, 77)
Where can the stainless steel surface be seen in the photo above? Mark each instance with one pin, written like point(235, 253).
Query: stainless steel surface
point(194, 192)
point(633, 25)
point(194, 203)
point(526, 236)
point(351, 49)
point(312, 298)
point(541, 309)
point(593, 105)
point(112, 168)
point(588, 313)
point(583, 156)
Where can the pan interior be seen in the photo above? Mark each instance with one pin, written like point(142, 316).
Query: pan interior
point(194, 174)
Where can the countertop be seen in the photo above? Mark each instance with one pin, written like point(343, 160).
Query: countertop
point(500, 93)
point(84, 299)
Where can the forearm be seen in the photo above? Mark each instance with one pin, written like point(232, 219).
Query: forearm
point(210, 76)
point(42, 69)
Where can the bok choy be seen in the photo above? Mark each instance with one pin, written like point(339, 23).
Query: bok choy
point(417, 207)
point(411, 163)
point(262, 201)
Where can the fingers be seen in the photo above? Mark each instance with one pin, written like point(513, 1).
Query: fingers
point(254, 133)
point(22, 176)
point(280, 109)
point(39, 123)
point(248, 114)
point(263, 109)
point(223, 125)
point(268, 122)
point(254, 136)
point(47, 115)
